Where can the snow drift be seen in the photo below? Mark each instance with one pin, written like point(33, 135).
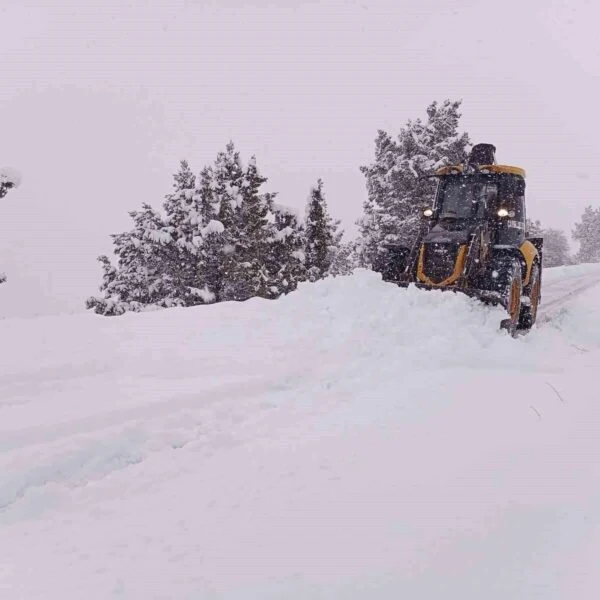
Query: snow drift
point(350, 440)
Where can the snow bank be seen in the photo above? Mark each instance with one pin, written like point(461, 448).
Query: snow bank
point(349, 440)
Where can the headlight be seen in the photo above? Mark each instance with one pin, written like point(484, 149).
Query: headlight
point(428, 212)
point(503, 212)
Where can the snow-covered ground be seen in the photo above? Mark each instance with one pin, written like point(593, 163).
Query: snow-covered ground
point(352, 440)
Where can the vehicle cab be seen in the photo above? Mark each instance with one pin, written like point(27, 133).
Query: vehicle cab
point(493, 194)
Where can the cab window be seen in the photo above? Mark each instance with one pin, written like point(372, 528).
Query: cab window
point(511, 230)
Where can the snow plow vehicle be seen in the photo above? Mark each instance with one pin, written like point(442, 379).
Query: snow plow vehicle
point(473, 240)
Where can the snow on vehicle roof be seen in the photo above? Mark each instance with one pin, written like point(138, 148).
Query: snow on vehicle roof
point(493, 168)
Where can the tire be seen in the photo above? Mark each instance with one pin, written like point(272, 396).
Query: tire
point(533, 293)
point(511, 288)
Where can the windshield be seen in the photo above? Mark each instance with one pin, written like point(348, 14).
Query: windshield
point(465, 198)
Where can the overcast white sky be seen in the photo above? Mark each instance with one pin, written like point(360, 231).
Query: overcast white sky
point(100, 99)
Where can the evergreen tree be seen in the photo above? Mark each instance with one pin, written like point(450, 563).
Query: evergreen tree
point(260, 241)
point(533, 228)
point(556, 248)
point(222, 184)
point(345, 259)
point(183, 208)
point(252, 237)
point(177, 204)
point(396, 196)
point(109, 303)
point(184, 179)
point(199, 236)
point(587, 233)
point(212, 240)
point(286, 257)
point(222, 239)
point(140, 279)
point(378, 223)
point(321, 233)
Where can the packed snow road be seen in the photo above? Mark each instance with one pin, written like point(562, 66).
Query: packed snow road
point(352, 440)
point(562, 285)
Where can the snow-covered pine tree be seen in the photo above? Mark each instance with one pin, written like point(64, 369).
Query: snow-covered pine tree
point(345, 259)
point(177, 204)
point(195, 211)
point(533, 228)
point(556, 248)
point(441, 139)
point(139, 281)
point(182, 208)
point(382, 218)
point(208, 206)
point(224, 184)
point(253, 235)
point(184, 179)
point(261, 245)
point(395, 194)
point(110, 302)
point(221, 240)
point(322, 235)
point(212, 240)
point(587, 233)
point(285, 254)
point(556, 251)
point(228, 181)
point(556, 245)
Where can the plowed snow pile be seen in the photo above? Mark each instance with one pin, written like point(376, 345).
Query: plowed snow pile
point(352, 440)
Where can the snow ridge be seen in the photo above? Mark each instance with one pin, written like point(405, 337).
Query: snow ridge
point(274, 434)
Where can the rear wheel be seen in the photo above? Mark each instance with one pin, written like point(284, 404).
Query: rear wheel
point(511, 288)
point(533, 294)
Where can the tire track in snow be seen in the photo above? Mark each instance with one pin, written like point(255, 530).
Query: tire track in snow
point(93, 448)
point(200, 399)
